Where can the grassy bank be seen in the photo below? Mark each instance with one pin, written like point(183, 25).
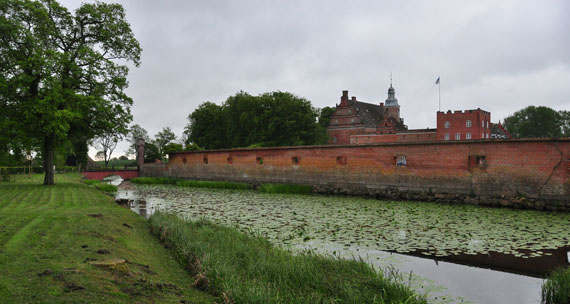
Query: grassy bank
point(70, 243)
point(556, 289)
point(246, 269)
point(267, 188)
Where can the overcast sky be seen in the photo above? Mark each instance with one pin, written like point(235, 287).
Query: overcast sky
point(499, 56)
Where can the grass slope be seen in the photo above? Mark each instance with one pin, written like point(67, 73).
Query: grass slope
point(246, 269)
point(51, 236)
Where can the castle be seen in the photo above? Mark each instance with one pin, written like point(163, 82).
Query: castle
point(357, 122)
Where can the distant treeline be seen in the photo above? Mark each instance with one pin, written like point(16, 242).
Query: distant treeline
point(267, 120)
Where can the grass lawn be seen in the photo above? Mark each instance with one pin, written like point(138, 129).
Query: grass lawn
point(70, 243)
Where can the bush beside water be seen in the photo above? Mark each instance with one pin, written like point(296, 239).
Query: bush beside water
point(286, 188)
point(190, 183)
point(556, 289)
point(107, 188)
point(267, 188)
point(247, 269)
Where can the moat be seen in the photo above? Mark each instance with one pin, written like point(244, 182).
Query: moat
point(456, 253)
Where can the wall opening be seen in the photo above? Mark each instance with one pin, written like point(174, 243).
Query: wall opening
point(184, 160)
point(477, 161)
point(205, 160)
point(341, 160)
point(230, 160)
point(400, 160)
point(259, 160)
point(295, 160)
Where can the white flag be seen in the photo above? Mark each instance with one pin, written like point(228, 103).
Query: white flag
point(437, 81)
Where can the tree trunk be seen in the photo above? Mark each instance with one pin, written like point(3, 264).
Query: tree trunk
point(48, 159)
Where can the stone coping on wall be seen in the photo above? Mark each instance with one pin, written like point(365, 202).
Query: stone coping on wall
point(390, 144)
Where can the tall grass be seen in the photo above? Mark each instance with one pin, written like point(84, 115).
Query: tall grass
point(190, 183)
point(556, 289)
point(155, 180)
point(286, 188)
point(216, 185)
point(246, 269)
point(108, 188)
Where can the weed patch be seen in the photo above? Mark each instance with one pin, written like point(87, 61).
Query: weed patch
point(286, 188)
point(556, 289)
point(247, 269)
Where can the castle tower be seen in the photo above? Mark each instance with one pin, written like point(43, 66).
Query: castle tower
point(391, 107)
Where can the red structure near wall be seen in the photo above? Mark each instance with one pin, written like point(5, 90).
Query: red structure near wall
point(516, 173)
point(356, 122)
point(100, 175)
point(464, 125)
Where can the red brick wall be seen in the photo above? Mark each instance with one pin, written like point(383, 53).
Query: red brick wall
point(537, 169)
point(100, 175)
point(480, 124)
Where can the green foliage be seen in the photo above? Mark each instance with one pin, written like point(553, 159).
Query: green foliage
point(248, 269)
point(5, 175)
point(154, 180)
point(270, 119)
point(286, 188)
point(151, 153)
point(173, 147)
point(136, 132)
point(214, 185)
point(556, 289)
point(163, 138)
point(107, 188)
point(190, 183)
point(64, 74)
point(207, 127)
point(534, 121)
point(192, 147)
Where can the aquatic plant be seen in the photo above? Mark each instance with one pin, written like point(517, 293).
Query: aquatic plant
point(286, 188)
point(556, 289)
point(155, 180)
point(213, 185)
point(242, 268)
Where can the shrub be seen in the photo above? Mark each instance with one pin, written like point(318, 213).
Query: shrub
point(556, 289)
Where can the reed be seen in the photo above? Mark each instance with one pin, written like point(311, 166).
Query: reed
point(556, 289)
point(241, 268)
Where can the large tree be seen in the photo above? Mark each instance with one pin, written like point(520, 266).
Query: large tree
point(63, 71)
point(207, 127)
point(163, 138)
point(534, 122)
point(136, 132)
point(106, 144)
point(270, 119)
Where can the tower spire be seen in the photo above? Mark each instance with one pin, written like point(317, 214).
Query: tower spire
point(390, 78)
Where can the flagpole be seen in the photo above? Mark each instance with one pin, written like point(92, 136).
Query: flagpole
point(439, 89)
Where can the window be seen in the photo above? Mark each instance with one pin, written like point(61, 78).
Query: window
point(487, 135)
point(468, 136)
point(400, 160)
point(446, 136)
point(334, 140)
point(446, 124)
point(468, 124)
point(457, 136)
point(295, 160)
point(477, 161)
point(487, 125)
point(341, 160)
point(482, 124)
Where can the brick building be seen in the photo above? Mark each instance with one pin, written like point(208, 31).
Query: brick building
point(357, 122)
point(463, 125)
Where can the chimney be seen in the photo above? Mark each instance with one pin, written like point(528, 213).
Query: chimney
point(344, 98)
point(354, 98)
